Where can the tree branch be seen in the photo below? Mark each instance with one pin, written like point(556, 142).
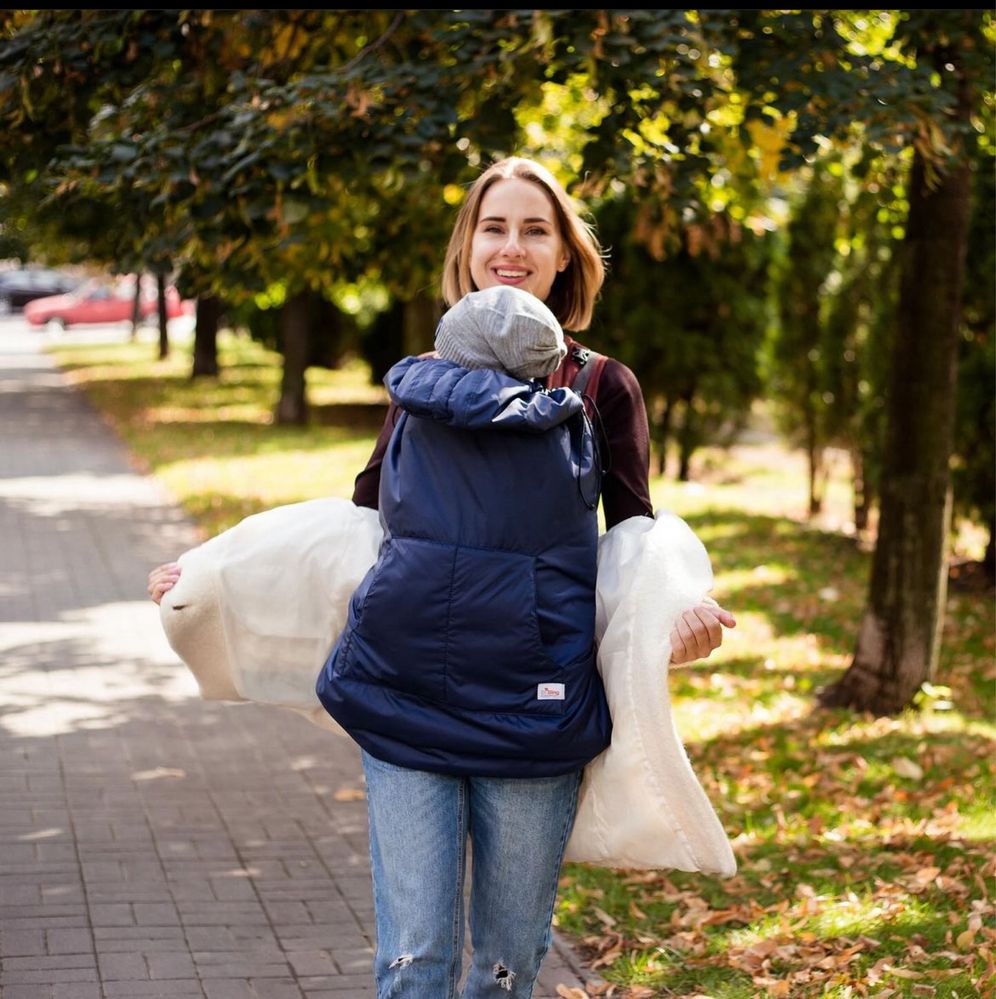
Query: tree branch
point(367, 49)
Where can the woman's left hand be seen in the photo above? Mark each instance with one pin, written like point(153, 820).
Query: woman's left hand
point(698, 631)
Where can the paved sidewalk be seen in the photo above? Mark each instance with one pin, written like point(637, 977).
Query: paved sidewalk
point(151, 843)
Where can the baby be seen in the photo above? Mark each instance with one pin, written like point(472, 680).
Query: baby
point(503, 328)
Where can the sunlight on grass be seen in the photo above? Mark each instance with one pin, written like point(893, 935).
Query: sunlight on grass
point(978, 822)
point(821, 916)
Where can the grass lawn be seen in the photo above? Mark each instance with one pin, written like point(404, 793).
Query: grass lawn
point(864, 844)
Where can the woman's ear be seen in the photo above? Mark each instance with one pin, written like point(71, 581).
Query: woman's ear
point(564, 262)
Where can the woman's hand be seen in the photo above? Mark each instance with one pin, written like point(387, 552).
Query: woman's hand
point(162, 579)
point(698, 631)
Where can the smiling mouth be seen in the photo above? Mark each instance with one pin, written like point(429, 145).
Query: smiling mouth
point(506, 274)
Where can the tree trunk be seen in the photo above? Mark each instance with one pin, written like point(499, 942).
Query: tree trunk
point(295, 324)
point(330, 334)
point(421, 316)
point(898, 641)
point(382, 343)
point(661, 429)
point(817, 478)
point(163, 319)
point(859, 488)
point(686, 439)
point(136, 307)
point(206, 336)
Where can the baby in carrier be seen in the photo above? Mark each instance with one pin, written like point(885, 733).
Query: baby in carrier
point(469, 646)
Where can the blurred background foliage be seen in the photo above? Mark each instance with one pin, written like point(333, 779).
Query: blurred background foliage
point(747, 171)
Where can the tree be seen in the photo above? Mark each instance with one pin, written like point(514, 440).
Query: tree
point(273, 142)
point(975, 425)
point(898, 641)
point(806, 265)
point(855, 346)
point(689, 324)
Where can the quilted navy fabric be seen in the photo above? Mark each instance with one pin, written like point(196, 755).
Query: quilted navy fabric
point(469, 646)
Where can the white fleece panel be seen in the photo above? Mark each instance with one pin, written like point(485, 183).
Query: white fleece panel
point(258, 608)
point(641, 804)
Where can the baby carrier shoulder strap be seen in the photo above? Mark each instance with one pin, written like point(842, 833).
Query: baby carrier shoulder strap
point(585, 382)
point(581, 371)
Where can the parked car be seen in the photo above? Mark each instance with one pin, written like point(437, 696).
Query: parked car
point(96, 302)
point(18, 287)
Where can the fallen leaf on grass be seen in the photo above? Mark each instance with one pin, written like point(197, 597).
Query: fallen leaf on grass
point(905, 767)
point(965, 939)
point(776, 987)
point(902, 972)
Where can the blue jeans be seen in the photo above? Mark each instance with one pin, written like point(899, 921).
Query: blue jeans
point(419, 822)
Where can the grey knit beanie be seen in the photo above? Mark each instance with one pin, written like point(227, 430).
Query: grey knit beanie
point(502, 327)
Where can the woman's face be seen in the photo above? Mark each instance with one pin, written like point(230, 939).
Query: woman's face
point(516, 239)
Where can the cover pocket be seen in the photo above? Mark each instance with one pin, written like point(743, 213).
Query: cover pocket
point(396, 636)
point(495, 657)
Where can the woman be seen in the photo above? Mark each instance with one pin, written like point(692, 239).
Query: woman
point(517, 227)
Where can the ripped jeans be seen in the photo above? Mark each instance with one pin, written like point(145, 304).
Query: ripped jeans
point(419, 823)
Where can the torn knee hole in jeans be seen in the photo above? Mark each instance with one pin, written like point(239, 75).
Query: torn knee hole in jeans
point(402, 961)
point(503, 976)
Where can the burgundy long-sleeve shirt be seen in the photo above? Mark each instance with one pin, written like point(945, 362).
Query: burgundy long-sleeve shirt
point(623, 416)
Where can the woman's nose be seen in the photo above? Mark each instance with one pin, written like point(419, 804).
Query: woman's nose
point(512, 246)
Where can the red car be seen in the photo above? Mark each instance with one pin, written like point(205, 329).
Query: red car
point(94, 302)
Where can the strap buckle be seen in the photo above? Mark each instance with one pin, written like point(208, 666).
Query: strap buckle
point(581, 355)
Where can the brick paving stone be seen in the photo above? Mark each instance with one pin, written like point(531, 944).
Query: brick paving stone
point(45, 976)
point(117, 966)
point(21, 942)
point(33, 991)
point(76, 990)
point(152, 843)
point(70, 941)
point(171, 964)
point(172, 989)
point(49, 961)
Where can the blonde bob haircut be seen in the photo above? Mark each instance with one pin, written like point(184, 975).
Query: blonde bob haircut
point(572, 296)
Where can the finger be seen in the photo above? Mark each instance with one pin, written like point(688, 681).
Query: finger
point(159, 589)
point(689, 638)
point(679, 653)
point(726, 618)
point(693, 633)
point(714, 633)
point(721, 614)
point(163, 573)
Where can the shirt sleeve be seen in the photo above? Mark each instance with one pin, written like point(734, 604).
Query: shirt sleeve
point(366, 491)
point(623, 416)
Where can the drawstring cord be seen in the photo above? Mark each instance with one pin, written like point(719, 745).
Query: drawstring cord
point(596, 453)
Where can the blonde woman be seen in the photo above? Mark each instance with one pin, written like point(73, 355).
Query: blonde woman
point(517, 227)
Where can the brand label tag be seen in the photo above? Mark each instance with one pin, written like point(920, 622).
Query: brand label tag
point(550, 692)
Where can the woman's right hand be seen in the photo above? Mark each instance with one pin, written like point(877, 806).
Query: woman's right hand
point(162, 579)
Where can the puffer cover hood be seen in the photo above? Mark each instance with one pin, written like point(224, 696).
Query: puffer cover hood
point(477, 399)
